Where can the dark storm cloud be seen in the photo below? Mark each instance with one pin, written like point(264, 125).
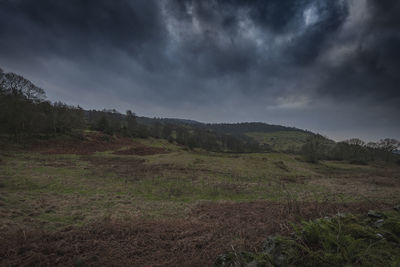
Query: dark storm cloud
point(217, 47)
point(308, 46)
point(213, 60)
point(273, 15)
point(75, 28)
point(373, 68)
point(222, 43)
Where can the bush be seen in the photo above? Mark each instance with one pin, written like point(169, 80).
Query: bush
point(342, 240)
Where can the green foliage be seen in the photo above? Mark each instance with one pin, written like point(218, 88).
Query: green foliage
point(66, 118)
point(314, 148)
point(354, 150)
point(102, 124)
point(194, 136)
point(342, 240)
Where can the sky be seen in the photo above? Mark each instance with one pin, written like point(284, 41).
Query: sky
point(329, 66)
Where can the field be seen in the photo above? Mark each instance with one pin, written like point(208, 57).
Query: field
point(150, 202)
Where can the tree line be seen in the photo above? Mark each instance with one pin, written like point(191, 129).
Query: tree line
point(246, 127)
point(353, 150)
point(25, 113)
point(192, 136)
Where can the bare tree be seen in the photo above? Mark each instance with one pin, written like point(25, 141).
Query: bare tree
point(355, 142)
point(389, 144)
point(18, 85)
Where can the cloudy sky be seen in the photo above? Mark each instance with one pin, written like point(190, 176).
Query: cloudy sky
point(330, 66)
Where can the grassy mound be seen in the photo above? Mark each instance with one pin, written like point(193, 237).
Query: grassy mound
point(343, 240)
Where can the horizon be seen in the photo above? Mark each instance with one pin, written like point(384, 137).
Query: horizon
point(330, 67)
point(336, 139)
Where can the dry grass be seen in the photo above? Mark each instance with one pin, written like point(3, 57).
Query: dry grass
point(100, 202)
point(208, 230)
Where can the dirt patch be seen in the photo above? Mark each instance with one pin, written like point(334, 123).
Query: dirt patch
point(91, 142)
point(85, 144)
point(142, 150)
point(208, 230)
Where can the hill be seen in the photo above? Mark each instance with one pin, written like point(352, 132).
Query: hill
point(18, 95)
point(245, 127)
point(277, 137)
point(281, 140)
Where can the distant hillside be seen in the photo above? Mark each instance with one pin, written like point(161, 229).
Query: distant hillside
point(277, 137)
point(226, 128)
point(281, 140)
point(151, 121)
point(24, 111)
point(247, 127)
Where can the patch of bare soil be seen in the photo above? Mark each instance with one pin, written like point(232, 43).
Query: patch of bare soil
point(208, 230)
point(92, 142)
point(142, 150)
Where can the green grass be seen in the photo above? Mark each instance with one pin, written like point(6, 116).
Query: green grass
point(159, 143)
point(63, 190)
point(342, 240)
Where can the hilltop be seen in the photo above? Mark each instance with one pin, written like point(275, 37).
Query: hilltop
point(277, 137)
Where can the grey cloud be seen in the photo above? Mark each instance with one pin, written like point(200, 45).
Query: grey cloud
point(81, 28)
point(372, 70)
point(212, 60)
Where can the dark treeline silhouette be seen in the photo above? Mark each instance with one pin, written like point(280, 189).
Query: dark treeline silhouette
point(25, 113)
point(353, 150)
point(246, 127)
point(196, 134)
point(190, 135)
point(24, 110)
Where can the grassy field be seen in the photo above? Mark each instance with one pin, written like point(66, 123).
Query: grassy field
point(59, 192)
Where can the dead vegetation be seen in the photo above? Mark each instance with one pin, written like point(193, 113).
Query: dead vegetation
point(87, 143)
point(208, 230)
point(63, 204)
point(141, 150)
point(91, 142)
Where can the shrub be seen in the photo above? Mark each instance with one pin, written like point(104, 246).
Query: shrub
point(342, 240)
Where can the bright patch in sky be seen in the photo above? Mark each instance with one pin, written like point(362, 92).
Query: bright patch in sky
point(310, 16)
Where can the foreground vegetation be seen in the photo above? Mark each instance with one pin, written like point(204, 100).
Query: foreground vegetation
point(341, 240)
point(62, 189)
point(218, 200)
